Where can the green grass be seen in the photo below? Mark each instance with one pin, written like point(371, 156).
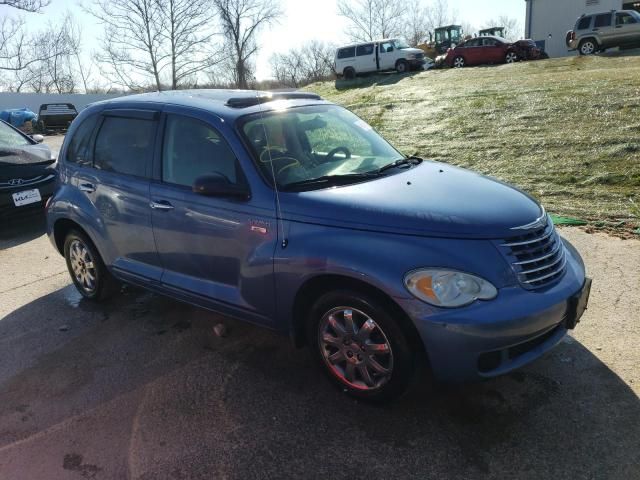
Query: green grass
point(565, 130)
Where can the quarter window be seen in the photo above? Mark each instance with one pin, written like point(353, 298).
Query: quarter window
point(125, 145)
point(193, 148)
point(347, 52)
point(584, 23)
point(363, 50)
point(603, 20)
point(79, 150)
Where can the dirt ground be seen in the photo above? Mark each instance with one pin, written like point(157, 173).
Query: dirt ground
point(140, 388)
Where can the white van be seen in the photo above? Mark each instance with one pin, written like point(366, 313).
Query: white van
point(388, 54)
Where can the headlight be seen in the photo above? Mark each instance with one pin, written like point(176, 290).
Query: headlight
point(448, 288)
point(411, 56)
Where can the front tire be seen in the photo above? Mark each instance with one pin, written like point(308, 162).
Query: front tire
point(459, 62)
point(361, 348)
point(87, 270)
point(587, 47)
point(402, 66)
point(511, 57)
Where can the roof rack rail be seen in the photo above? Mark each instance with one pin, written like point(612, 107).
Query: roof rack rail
point(264, 97)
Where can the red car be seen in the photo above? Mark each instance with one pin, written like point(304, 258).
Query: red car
point(481, 50)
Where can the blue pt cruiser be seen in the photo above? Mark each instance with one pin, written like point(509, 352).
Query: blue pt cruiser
point(292, 213)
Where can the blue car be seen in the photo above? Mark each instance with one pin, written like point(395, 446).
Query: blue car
point(289, 212)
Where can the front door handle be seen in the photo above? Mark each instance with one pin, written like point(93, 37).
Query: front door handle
point(161, 205)
point(87, 187)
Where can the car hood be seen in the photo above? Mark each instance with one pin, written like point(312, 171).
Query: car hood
point(412, 50)
point(431, 199)
point(25, 162)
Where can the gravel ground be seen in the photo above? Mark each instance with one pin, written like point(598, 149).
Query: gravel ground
point(140, 388)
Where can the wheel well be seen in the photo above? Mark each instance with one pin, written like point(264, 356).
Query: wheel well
point(318, 286)
point(60, 230)
point(593, 39)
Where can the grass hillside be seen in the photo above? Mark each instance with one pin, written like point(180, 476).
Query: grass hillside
point(565, 130)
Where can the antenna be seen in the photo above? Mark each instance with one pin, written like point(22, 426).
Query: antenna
point(279, 219)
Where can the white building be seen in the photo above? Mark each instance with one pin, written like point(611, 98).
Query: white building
point(548, 21)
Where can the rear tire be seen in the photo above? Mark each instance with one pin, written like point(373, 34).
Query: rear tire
point(349, 73)
point(360, 347)
point(588, 46)
point(87, 270)
point(459, 62)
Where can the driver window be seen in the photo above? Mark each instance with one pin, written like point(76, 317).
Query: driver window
point(384, 47)
point(333, 133)
point(192, 148)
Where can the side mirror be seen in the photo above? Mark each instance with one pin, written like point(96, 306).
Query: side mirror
point(218, 185)
point(37, 138)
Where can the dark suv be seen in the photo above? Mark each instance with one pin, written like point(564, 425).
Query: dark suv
point(292, 213)
point(594, 33)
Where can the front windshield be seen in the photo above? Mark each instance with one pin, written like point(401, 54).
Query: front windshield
point(399, 44)
point(9, 138)
point(310, 142)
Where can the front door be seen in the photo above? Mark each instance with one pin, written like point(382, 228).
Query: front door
point(216, 251)
point(387, 56)
point(627, 29)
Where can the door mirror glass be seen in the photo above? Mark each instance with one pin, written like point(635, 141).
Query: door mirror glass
point(37, 138)
point(217, 184)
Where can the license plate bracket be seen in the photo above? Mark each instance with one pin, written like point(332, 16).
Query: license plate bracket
point(26, 197)
point(578, 304)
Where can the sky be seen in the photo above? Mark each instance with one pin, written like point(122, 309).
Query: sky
point(304, 20)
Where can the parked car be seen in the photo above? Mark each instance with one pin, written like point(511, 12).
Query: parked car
point(268, 208)
point(388, 54)
point(597, 32)
point(56, 117)
point(528, 50)
point(27, 172)
point(481, 50)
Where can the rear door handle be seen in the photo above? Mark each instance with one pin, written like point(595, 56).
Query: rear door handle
point(161, 205)
point(87, 187)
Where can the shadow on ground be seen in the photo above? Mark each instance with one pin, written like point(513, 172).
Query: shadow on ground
point(252, 406)
point(15, 231)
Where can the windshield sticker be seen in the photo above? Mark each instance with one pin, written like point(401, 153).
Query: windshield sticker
point(363, 125)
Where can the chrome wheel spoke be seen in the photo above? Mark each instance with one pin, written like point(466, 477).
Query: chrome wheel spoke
point(337, 357)
point(373, 363)
point(331, 340)
point(366, 329)
point(377, 348)
point(365, 375)
point(337, 327)
point(349, 372)
point(350, 327)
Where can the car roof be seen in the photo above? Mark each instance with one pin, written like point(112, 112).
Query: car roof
point(227, 104)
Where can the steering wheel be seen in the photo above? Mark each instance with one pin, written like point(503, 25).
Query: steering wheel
point(332, 153)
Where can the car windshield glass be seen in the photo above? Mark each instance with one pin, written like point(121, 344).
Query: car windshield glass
point(9, 138)
point(311, 142)
point(399, 44)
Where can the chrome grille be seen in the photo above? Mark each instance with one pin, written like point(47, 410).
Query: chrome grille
point(537, 255)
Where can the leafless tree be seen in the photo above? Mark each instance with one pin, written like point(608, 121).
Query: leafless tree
point(26, 5)
point(513, 29)
point(416, 24)
point(188, 33)
point(310, 63)
point(373, 19)
point(241, 21)
point(132, 53)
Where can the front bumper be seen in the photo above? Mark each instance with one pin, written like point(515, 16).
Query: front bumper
point(8, 210)
point(494, 337)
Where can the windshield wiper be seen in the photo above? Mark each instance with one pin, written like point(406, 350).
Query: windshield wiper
point(329, 180)
point(411, 160)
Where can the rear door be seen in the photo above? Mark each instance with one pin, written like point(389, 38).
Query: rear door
point(216, 251)
point(366, 58)
point(471, 50)
point(604, 29)
point(118, 185)
point(492, 51)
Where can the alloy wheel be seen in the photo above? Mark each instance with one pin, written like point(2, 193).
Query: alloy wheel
point(511, 57)
point(355, 349)
point(588, 48)
point(458, 62)
point(83, 265)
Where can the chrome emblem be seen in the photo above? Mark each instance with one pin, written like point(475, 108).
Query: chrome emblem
point(537, 223)
point(15, 182)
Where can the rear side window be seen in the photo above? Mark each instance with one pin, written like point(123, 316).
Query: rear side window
point(584, 23)
point(476, 42)
point(125, 145)
point(603, 20)
point(489, 42)
point(193, 148)
point(364, 50)
point(347, 52)
point(79, 151)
